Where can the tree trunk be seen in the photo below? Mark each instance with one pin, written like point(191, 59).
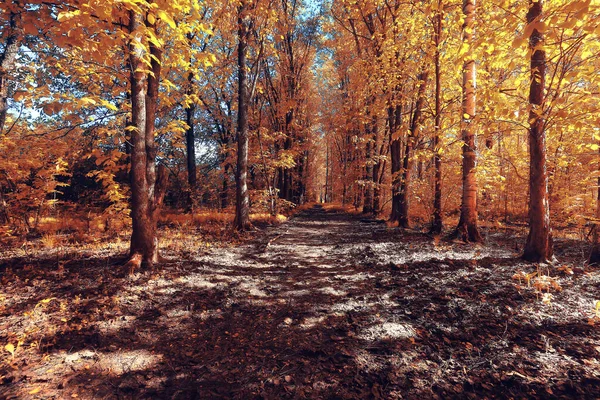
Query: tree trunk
point(190, 145)
point(467, 225)
point(407, 163)
point(437, 225)
point(368, 177)
point(242, 200)
point(377, 148)
point(7, 64)
point(395, 121)
point(594, 258)
point(146, 193)
point(539, 241)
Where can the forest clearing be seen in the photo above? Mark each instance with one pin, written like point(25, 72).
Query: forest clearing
point(341, 199)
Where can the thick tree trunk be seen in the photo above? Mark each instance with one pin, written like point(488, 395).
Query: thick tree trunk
point(7, 64)
point(407, 163)
point(437, 224)
point(467, 225)
point(146, 192)
point(242, 200)
point(539, 241)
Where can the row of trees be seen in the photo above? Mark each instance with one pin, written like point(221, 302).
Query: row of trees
point(372, 102)
point(405, 76)
point(135, 85)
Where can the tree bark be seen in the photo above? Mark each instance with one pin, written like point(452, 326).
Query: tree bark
point(407, 163)
point(594, 258)
point(190, 145)
point(368, 177)
point(467, 225)
point(146, 192)
point(7, 64)
point(538, 247)
point(242, 200)
point(437, 224)
point(395, 121)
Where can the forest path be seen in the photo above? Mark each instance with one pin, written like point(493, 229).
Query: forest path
point(327, 305)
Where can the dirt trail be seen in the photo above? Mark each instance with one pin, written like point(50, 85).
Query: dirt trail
point(325, 306)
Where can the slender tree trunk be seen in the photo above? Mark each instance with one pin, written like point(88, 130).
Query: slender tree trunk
point(595, 253)
point(395, 116)
point(467, 225)
point(437, 225)
point(242, 200)
point(7, 64)
point(407, 163)
point(146, 193)
point(368, 177)
point(377, 148)
point(190, 145)
point(539, 241)
point(327, 175)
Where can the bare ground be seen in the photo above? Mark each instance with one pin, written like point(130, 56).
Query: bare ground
point(327, 305)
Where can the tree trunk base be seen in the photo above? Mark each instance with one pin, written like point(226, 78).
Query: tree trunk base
point(138, 261)
point(467, 233)
point(134, 263)
point(436, 228)
point(594, 258)
point(403, 222)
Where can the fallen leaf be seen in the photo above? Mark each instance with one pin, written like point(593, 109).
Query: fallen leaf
point(10, 348)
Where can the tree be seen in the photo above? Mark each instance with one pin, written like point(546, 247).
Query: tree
point(539, 241)
point(437, 223)
point(407, 163)
point(467, 224)
point(147, 187)
point(242, 200)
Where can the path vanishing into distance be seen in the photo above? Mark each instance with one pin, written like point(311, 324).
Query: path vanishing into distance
point(327, 305)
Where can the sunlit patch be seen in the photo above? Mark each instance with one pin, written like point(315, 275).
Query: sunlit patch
point(175, 316)
point(352, 305)
point(332, 291)
point(122, 362)
point(367, 362)
point(388, 330)
point(113, 325)
point(298, 293)
point(312, 322)
point(197, 281)
point(356, 277)
point(114, 363)
point(252, 289)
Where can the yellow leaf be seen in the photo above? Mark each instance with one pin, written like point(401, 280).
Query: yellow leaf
point(167, 18)
point(151, 19)
point(34, 391)
point(10, 348)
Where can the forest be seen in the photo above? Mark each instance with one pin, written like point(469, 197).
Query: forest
point(320, 199)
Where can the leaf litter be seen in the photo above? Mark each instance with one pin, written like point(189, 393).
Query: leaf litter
point(335, 307)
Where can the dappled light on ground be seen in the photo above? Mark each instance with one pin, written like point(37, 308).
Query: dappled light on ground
point(323, 306)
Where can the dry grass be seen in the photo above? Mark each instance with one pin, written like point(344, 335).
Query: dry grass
point(215, 217)
point(268, 218)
